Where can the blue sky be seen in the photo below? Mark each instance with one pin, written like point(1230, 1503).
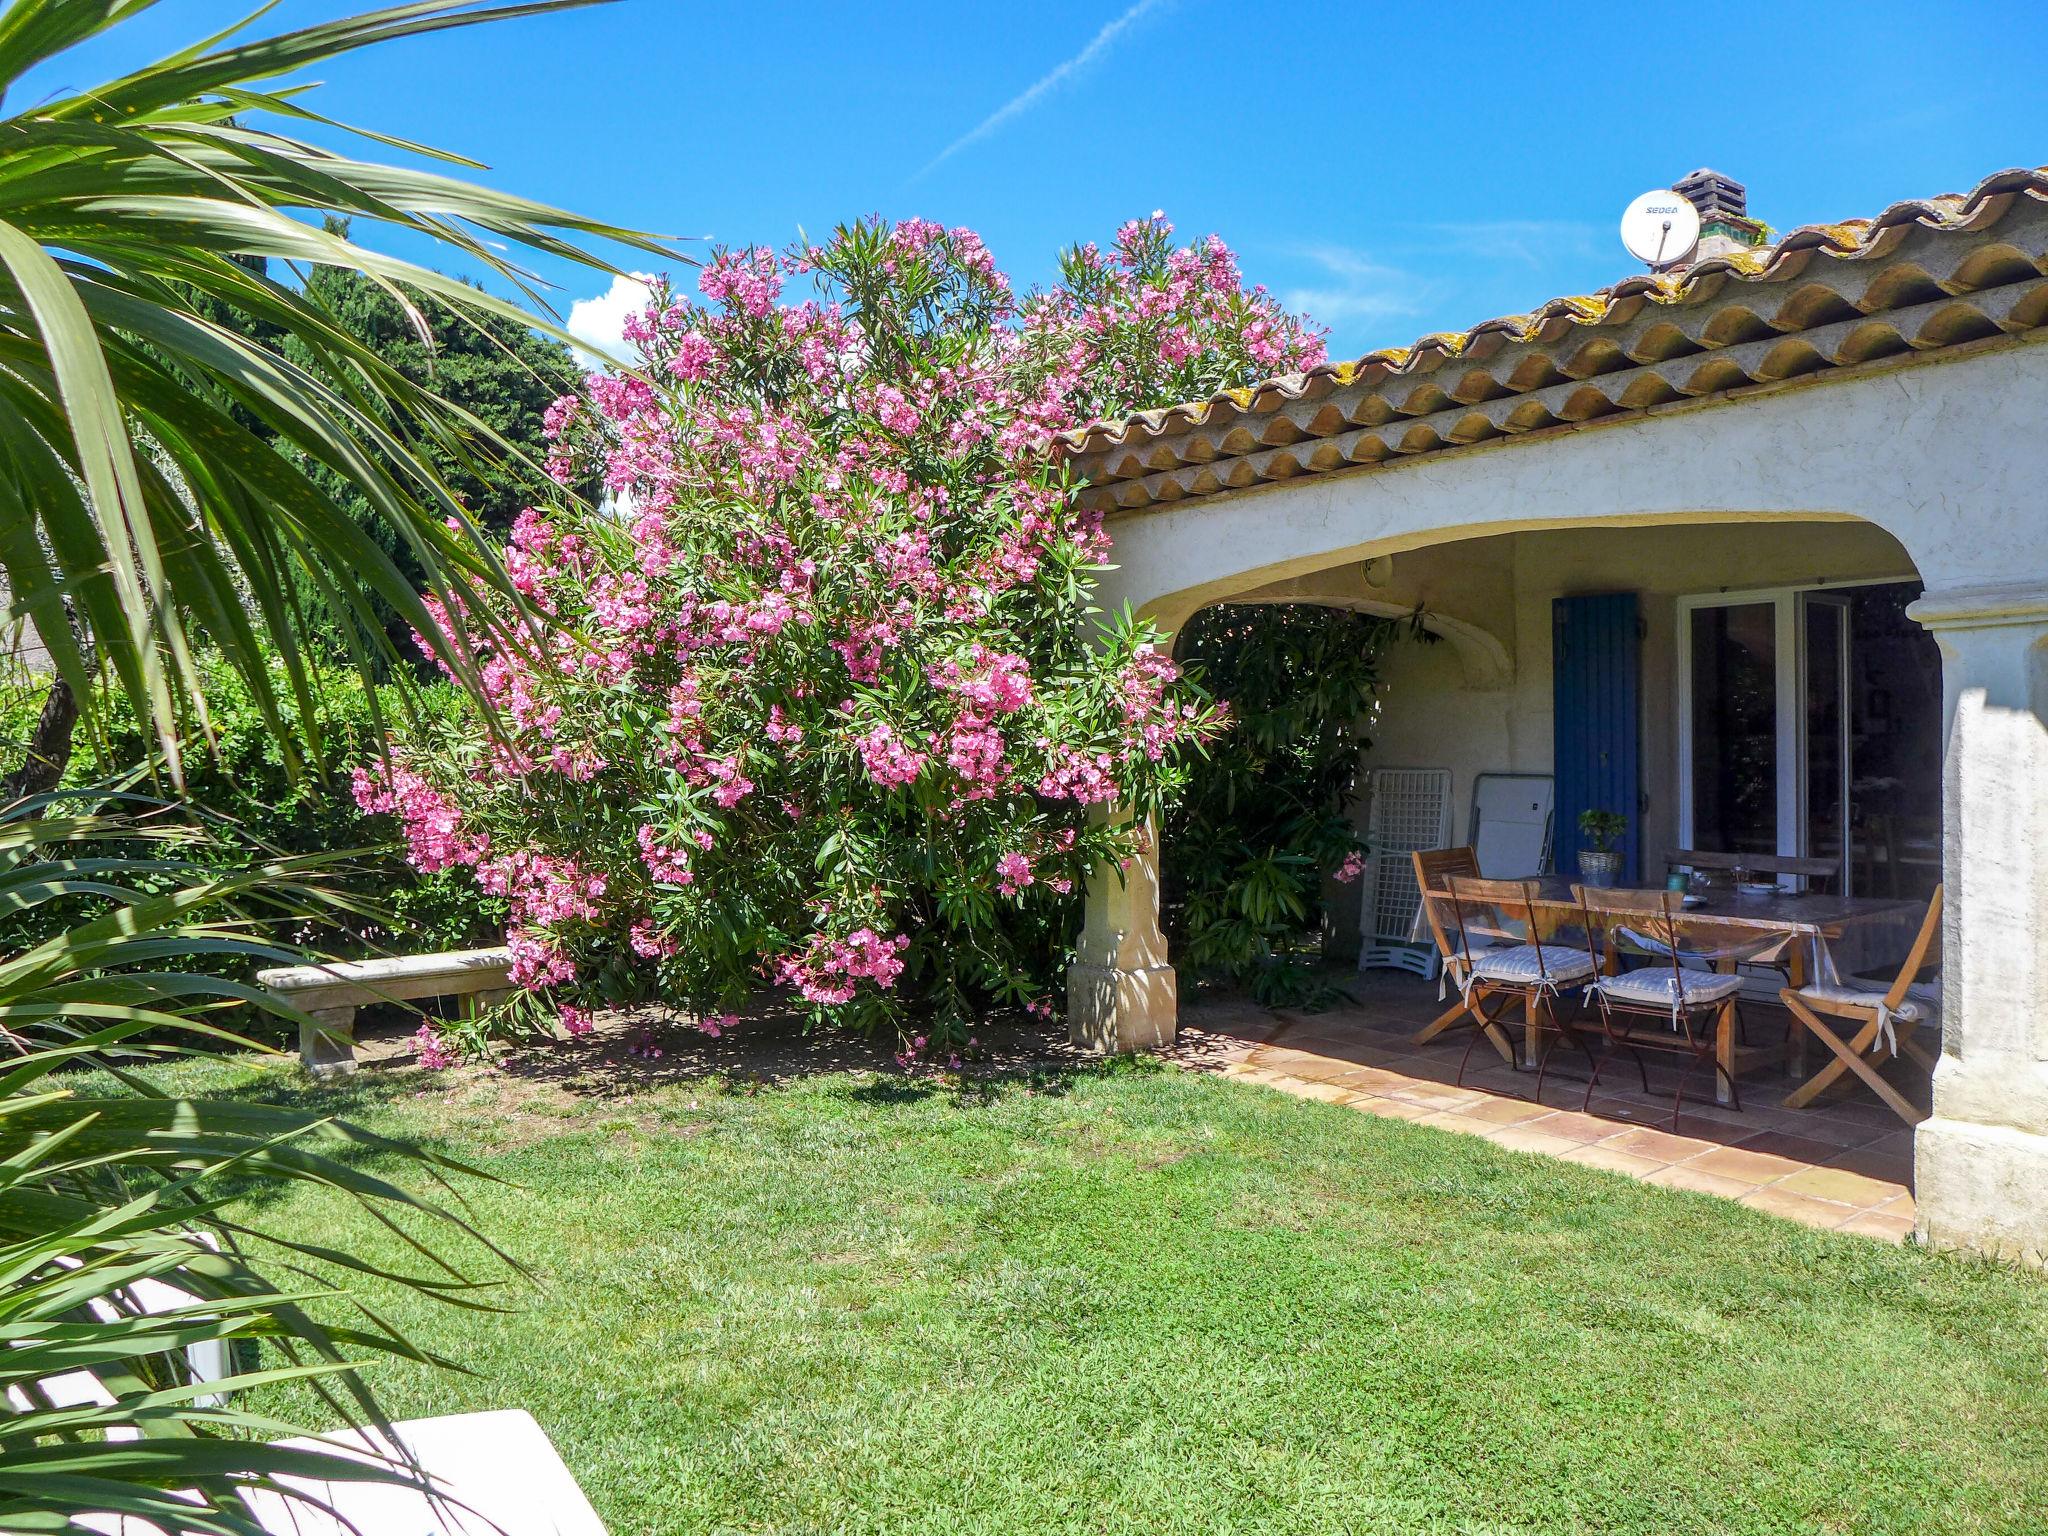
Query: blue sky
point(1393, 169)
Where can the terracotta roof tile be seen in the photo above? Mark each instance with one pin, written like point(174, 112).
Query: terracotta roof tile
point(1823, 296)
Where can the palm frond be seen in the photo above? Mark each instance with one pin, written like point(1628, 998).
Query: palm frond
point(120, 1252)
point(160, 484)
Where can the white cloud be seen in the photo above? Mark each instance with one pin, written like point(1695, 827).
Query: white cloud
point(1030, 96)
point(1353, 288)
point(600, 323)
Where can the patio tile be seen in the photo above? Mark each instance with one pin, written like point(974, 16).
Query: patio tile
point(1457, 1120)
point(1819, 1125)
point(1606, 1155)
point(1320, 1069)
point(1574, 1126)
point(1692, 1176)
point(1391, 1109)
point(1879, 1224)
point(1506, 1111)
point(1839, 1184)
point(1748, 1168)
point(1814, 1212)
point(1525, 1138)
point(1801, 1149)
point(1254, 1071)
point(1374, 1080)
point(1305, 1088)
point(1300, 1063)
point(1892, 1167)
point(1661, 1145)
point(1436, 1095)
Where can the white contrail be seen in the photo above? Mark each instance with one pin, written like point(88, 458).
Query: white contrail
point(1023, 102)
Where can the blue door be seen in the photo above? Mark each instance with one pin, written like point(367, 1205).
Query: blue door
point(1596, 667)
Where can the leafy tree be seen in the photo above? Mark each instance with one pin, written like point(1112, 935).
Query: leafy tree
point(493, 368)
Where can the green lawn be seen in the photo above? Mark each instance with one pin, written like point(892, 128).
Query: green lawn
point(1138, 1299)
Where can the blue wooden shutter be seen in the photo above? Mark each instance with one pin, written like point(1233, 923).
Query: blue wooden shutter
point(1596, 653)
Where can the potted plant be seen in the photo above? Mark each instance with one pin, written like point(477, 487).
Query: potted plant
point(1600, 860)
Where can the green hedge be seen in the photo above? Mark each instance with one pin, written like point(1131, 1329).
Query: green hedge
point(243, 786)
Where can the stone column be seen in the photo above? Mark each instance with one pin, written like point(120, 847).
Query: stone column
point(1981, 1162)
point(1121, 993)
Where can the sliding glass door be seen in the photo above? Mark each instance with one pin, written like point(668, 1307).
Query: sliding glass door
point(1810, 723)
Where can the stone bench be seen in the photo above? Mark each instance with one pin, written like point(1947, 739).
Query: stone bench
point(331, 994)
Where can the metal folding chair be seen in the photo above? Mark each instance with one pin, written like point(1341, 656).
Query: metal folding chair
point(1660, 1006)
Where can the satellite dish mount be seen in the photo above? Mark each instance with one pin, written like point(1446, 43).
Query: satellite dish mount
point(1661, 229)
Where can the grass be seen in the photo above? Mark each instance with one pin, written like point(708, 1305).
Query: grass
point(1136, 1298)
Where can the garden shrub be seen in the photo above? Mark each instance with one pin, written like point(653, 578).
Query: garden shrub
point(1265, 816)
point(821, 702)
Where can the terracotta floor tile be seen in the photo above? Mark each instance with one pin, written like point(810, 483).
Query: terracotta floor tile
point(1780, 1201)
point(1748, 1168)
point(1819, 1125)
point(1839, 1184)
point(1305, 1088)
point(1661, 1145)
point(1507, 1111)
point(1573, 1126)
point(1891, 1167)
point(1692, 1176)
point(1436, 1095)
point(1374, 1080)
point(1606, 1155)
point(1457, 1120)
point(1900, 1205)
point(1801, 1149)
point(1525, 1138)
point(1390, 1109)
point(1879, 1224)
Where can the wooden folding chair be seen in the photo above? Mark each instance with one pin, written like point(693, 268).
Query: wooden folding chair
point(1885, 1021)
point(1434, 866)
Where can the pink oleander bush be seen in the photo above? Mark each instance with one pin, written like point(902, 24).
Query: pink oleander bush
point(819, 703)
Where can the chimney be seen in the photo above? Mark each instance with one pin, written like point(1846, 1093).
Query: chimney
point(1725, 224)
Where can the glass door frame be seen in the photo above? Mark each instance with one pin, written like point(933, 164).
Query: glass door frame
point(1790, 663)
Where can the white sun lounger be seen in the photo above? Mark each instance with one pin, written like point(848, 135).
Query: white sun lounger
point(500, 1473)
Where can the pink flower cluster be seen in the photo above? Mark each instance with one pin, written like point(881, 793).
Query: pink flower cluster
point(888, 759)
point(435, 838)
point(827, 969)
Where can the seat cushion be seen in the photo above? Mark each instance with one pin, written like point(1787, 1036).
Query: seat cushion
point(1920, 999)
point(1518, 966)
point(1656, 987)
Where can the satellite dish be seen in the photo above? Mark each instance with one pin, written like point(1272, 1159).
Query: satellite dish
point(1660, 228)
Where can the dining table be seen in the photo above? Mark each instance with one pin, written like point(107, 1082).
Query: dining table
point(1808, 936)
